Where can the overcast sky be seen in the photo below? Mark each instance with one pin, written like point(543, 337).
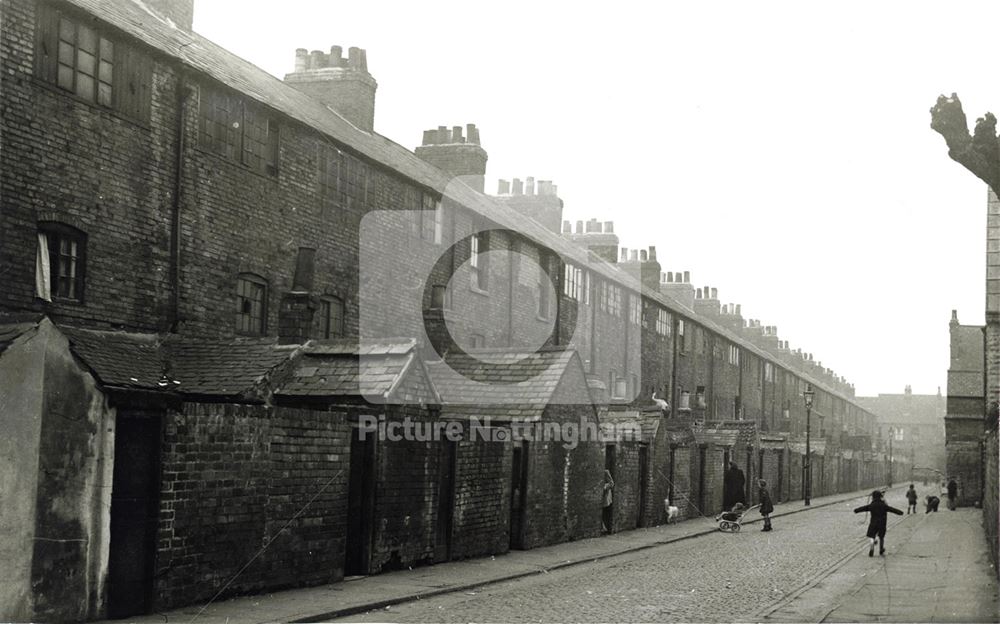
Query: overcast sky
point(780, 152)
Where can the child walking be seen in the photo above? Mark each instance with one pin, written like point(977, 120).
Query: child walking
point(911, 497)
point(876, 526)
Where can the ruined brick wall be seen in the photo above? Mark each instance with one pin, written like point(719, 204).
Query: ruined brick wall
point(481, 521)
point(683, 491)
point(233, 479)
point(770, 474)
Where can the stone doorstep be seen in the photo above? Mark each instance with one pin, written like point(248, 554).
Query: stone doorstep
point(783, 509)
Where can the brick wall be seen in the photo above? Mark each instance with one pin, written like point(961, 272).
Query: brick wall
point(683, 491)
point(964, 439)
point(626, 493)
point(991, 513)
point(481, 521)
point(234, 478)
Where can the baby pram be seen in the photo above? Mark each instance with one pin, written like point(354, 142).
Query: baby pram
point(731, 521)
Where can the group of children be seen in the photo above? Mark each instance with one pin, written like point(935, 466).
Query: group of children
point(877, 509)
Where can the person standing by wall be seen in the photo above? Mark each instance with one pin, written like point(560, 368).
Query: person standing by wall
point(911, 499)
point(766, 506)
point(952, 493)
point(608, 500)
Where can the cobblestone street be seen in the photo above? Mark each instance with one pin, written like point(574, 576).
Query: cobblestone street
point(738, 577)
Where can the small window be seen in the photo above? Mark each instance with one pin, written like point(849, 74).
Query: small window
point(251, 305)
point(329, 175)
point(61, 262)
point(479, 245)
point(428, 229)
point(544, 288)
point(681, 335)
point(634, 309)
point(477, 341)
point(330, 318)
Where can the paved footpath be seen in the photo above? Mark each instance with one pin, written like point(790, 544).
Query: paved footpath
point(940, 572)
point(657, 574)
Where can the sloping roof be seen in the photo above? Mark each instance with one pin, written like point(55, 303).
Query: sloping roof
point(12, 328)
point(628, 425)
point(134, 18)
point(233, 367)
point(718, 437)
point(817, 446)
point(118, 358)
point(383, 370)
point(501, 382)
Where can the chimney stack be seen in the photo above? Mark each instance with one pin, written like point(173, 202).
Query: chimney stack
point(342, 84)
point(459, 155)
point(598, 238)
point(540, 203)
point(678, 287)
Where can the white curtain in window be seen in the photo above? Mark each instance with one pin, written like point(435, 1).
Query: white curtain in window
point(42, 281)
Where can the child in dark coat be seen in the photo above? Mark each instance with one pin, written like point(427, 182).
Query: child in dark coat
point(766, 506)
point(876, 526)
point(911, 500)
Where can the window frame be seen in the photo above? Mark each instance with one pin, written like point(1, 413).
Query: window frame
point(118, 64)
point(55, 234)
point(262, 283)
point(327, 303)
point(241, 112)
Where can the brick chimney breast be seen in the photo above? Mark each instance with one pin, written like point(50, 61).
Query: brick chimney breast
point(342, 84)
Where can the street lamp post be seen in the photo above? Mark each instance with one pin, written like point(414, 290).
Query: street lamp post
point(892, 434)
point(807, 396)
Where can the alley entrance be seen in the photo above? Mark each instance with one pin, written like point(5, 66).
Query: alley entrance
point(518, 494)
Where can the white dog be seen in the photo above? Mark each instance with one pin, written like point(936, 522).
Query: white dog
point(671, 510)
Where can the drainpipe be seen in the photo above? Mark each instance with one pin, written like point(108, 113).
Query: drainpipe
point(184, 91)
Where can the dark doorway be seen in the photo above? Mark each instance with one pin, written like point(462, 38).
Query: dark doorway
point(134, 512)
point(446, 501)
point(518, 494)
point(360, 502)
point(748, 494)
point(640, 520)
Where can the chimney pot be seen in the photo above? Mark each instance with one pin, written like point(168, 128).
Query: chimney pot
point(301, 60)
point(715, 293)
point(337, 56)
point(579, 227)
point(518, 187)
point(317, 60)
point(529, 186)
point(652, 253)
point(503, 188)
point(443, 136)
point(472, 132)
point(635, 255)
point(697, 293)
point(456, 134)
point(668, 277)
point(567, 227)
point(737, 311)
point(687, 277)
point(609, 227)
point(624, 257)
point(429, 136)
point(642, 255)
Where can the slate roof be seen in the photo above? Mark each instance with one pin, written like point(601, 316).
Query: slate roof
point(10, 331)
point(626, 425)
point(134, 18)
point(506, 384)
point(119, 358)
point(230, 368)
point(372, 369)
point(817, 446)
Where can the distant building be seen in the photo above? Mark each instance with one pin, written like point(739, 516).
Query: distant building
point(915, 424)
point(965, 409)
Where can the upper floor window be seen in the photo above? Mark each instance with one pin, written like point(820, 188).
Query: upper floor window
point(663, 322)
point(576, 283)
point(60, 263)
point(479, 259)
point(734, 355)
point(329, 174)
point(238, 130)
point(682, 334)
point(330, 318)
point(768, 372)
point(611, 300)
point(544, 287)
point(634, 309)
point(83, 59)
point(251, 304)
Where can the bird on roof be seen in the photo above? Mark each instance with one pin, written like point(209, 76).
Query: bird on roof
point(660, 403)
